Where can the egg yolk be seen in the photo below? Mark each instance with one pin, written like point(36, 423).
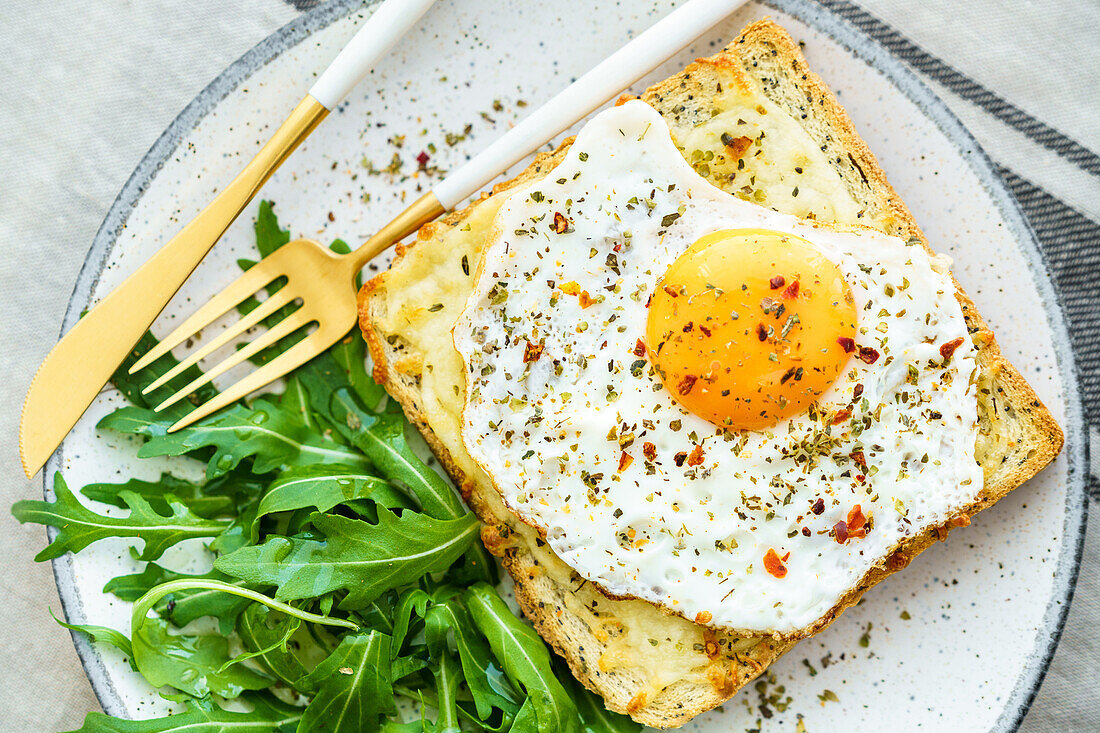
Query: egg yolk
point(750, 326)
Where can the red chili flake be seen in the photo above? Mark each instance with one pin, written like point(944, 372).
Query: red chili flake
point(859, 458)
point(819, 506)
point(706, 331)
point(671, 291)
point(857, 392)
point(639, 348)
point(649, 451)
point(791, 291)
point(531, 352)
point(696, 456)
point(584, 299)
point(960, 520)
point(761, 332)
point(868, 355)
point(860, 478)
point(688, 326)
point(805, 531)
point(777, 282)
point(624, 461)
point(841, 416)
point(949, 348)
point(736, 145)
point(680, 457)
point(422, 160)
point(857, 523)
point(561, 223)
point(849, 345)
point(686, 384)
point(773, 564)
point(840, 530)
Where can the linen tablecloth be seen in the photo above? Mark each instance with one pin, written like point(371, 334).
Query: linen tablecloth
point(87, 88)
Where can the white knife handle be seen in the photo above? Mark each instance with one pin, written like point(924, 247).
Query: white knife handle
point(388, 23)
point(615, 73)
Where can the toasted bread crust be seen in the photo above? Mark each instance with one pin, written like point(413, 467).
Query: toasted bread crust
point(1019, 439)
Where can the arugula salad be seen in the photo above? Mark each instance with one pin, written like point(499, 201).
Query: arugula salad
point(347, 590)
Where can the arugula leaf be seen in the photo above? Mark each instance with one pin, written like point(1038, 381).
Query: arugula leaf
point(489, 687)
point(350, 355)
point(448, 676)
point(295, 401)
point(203, 716)
point(188, 493)
point(354, 689)
point(258, 636)
point(186, 605)
point(193, 664)
point(263, 432)
point(412, 600)
point(80, 526)
point(241, 485)
point(269, 236)
point(104, 634)
point(199, 665)
point(355, 556)
point(526, 663)
point(323, 487)
point(381, 438)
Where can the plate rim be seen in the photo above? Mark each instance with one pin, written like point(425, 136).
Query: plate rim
point(824, 20)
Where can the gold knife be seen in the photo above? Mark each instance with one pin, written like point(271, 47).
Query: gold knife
point(83, 360)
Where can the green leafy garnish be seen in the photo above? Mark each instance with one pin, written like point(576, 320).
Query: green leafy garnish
point(354, 687)
point(343, 572)
point(360, 558)
point(79, 527)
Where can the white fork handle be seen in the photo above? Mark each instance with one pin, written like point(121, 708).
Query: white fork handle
point(388, 23)
point(615, 73)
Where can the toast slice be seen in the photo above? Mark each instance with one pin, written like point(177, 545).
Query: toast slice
point(796, 152)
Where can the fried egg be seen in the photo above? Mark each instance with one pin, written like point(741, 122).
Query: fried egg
point(731, 413)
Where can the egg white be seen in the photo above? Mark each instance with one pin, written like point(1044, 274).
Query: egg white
point(551, 431)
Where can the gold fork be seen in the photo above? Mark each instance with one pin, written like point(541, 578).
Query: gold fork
point(78, 366)
point(324, 281)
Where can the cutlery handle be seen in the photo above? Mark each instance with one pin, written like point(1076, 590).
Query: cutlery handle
point(605, 80)
point(388, 23)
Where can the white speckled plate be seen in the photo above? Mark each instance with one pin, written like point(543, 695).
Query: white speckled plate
point(961, 638)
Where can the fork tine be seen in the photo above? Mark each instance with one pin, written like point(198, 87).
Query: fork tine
point(290, 359)
point(250, 319)
point(285, 327)
point(248, 283)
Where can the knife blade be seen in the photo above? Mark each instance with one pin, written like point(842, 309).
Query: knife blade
point(76, 369)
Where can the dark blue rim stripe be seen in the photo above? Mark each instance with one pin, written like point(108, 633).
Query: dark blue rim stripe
point(965, 87)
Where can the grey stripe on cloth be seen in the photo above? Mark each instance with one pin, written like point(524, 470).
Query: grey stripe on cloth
point(1070, 242)
point(966, 87)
